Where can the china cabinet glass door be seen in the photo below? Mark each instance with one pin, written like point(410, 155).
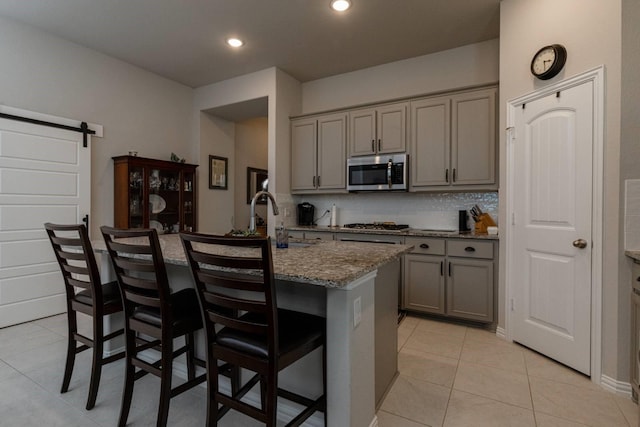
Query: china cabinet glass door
point(136, 194)
point(164, 200)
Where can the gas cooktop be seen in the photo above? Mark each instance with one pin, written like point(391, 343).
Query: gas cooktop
point(388, 226)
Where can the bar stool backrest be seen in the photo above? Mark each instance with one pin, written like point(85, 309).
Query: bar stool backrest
point(77, 261)
point(142, 276)
point(235, 274)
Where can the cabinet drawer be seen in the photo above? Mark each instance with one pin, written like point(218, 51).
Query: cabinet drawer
point(296, 234)
point(470, 249)
point(367, 237)
point(635, 276)
point(318, 235)
point(425, 245)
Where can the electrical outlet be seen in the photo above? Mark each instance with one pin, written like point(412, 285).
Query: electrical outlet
point(357, 311)
point(287, 213)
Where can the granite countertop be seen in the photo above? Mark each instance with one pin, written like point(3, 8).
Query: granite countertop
point(408, 232)
point(332, 264)
point(635, 255)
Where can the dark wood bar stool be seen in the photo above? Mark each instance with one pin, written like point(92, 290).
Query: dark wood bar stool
point(152, 310)
point(264, 339)
point(77, 262)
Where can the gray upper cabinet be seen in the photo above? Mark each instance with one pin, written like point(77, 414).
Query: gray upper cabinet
point(430, 142)
point(453, 141)
point(318, 154)
point(473, 137)
point(378, 130)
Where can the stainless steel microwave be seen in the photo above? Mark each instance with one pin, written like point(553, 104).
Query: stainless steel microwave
point(378, 173)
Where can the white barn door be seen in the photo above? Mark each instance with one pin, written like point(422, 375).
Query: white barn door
point(45, 175)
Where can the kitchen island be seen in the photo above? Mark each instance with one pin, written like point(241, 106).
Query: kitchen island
point(336, 280)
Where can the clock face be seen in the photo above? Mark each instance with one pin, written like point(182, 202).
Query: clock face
point(544, 60)
point(548, 61)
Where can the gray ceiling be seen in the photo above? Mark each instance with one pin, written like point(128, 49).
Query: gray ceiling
point(183, 40)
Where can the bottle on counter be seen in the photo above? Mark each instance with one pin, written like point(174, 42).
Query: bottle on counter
point(282, 237)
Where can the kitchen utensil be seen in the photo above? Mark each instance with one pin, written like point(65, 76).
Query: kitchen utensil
point(484, 221)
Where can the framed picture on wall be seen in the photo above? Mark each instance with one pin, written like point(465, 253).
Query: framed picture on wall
point(255, 179)
point(218, 172)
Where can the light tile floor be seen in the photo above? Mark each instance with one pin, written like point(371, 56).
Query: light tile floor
point(450, 375)
point(457, 376)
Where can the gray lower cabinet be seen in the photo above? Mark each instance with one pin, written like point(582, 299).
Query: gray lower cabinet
point(318, 235)
point(450, 277)
point(470, 289)
point(296, 234)
point(424, 278)
point(635, 330)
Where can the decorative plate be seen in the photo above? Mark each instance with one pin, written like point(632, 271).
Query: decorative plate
point(157, 203)
point(157, 226)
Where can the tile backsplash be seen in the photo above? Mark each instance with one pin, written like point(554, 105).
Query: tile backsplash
point(418, 210)
point(632, 214)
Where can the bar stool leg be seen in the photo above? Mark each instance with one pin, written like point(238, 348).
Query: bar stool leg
point(71, 350)
point(190, 355)
point(129, 378)
point(96, 367)
point(165, 382)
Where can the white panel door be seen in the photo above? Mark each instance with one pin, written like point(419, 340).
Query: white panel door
point(44, 176)
point(551, 275)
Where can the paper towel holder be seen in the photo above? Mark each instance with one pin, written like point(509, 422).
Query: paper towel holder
point(334, 216)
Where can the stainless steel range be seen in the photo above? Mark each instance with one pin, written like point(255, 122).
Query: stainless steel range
point(387, 226)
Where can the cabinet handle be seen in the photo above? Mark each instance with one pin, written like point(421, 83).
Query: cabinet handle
point(469, 249)
point(449, 269)
point(318, 181)
point(379, 144)
point(314, 182)
point(442, 268)
point(424, 246)
point(454, 174)
point(373, 145)
point(446, 175)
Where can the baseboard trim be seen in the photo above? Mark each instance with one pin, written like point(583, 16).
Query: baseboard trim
point(500, 333)
point(374, 422)
point(621, 388)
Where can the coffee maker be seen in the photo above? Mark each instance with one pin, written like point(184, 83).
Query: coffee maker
point(306, 212)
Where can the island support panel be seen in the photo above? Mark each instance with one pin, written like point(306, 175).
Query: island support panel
point(350, 349)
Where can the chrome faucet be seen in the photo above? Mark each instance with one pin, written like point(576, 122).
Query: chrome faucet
point(264, 192)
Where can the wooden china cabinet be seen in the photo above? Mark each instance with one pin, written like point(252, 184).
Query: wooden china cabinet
point(150, 193)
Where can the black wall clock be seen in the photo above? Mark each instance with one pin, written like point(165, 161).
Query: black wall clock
point(548, 61)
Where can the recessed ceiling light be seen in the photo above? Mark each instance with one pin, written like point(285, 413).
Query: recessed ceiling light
point(233, 42)
point(340, 5)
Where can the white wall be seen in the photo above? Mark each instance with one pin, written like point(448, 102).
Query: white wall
point(251, 149)
point(217, 138)
point(471, 65)
point(629, 151)
point(590, 30)
point(283, 94)
point(139, 111)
